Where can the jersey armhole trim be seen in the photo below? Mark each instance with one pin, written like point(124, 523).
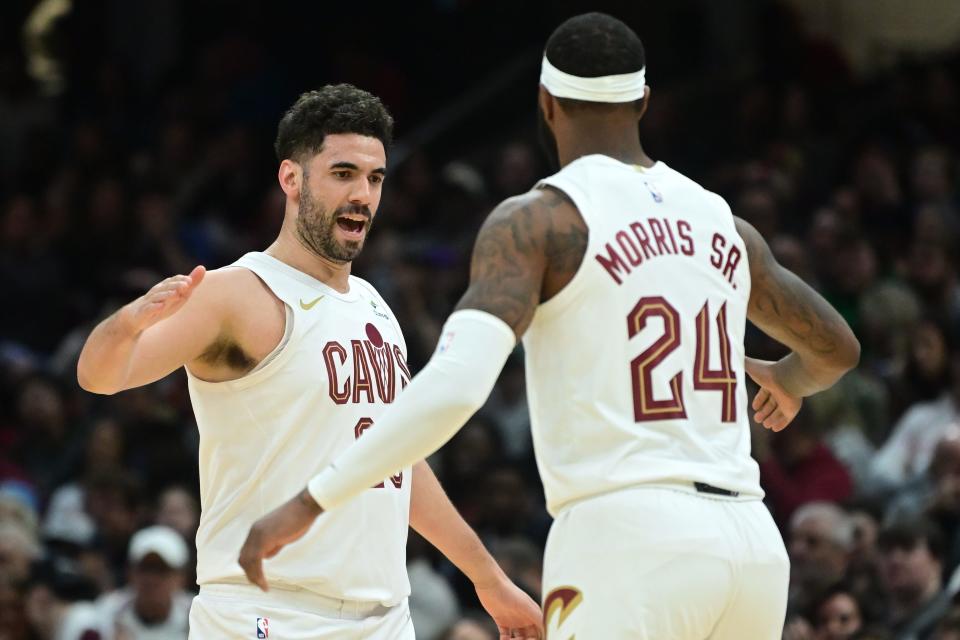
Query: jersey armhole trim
point(277, 356)
point(568, 294)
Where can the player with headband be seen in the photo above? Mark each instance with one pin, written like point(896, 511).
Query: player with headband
point(630, 286)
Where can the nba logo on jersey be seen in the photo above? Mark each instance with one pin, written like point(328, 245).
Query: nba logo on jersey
point(657, 196)
point(263, 627)
point(445, 340)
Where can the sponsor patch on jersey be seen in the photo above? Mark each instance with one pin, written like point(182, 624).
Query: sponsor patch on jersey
point(263, 627)
point(377, 312)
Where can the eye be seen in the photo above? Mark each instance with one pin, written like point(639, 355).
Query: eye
point(376, 178)
point(343, 174)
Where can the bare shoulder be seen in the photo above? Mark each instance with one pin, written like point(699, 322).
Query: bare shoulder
point(523, 240)
point(251, 322)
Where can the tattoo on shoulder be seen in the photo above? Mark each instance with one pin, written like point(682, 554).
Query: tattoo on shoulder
point(523, 240)
point(566, 235)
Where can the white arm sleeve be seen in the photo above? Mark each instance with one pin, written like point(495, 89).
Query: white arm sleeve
point(474, 346)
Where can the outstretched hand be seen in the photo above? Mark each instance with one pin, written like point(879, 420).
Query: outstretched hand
point(773, 407)
point(516, 614)
point(163, 300)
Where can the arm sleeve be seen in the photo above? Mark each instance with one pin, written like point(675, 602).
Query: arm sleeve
point(474, 346)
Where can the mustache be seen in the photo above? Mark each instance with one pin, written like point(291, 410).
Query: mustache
point(362, 210)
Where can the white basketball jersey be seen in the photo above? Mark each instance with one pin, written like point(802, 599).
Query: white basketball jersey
point(263, 436)
point(635, 370)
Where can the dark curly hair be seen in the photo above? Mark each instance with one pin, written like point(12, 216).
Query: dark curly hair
point(334, 108)
point(593, 45)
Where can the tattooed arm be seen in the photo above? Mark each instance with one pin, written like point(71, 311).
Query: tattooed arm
point(528, 249)
point(787, 309)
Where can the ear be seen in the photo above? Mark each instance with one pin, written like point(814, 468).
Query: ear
point(290, 176)
point(646, 102)
point(547, 103)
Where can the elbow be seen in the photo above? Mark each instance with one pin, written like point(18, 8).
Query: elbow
point(853, 353)
point(848, 356)
point(87, 383)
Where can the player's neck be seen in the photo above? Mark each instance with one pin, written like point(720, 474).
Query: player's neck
point(616, 143)
point(287, 249)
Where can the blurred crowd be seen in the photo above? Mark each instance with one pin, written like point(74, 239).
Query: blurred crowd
point(124, 179)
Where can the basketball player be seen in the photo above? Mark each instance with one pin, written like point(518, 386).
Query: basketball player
point(630, 286)
point(289, 360)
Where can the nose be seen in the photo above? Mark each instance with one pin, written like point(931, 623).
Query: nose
point(360, 191)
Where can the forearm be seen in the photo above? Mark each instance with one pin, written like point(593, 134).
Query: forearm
point(106, 357)
point(434, 517)
point(439, 400)
point(802, 376)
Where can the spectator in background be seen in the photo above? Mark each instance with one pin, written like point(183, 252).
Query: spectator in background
point(797, 468)
point(154, 606)
point(19, 548)
point(820, 542)
point(839, 615)
point(433, 602)
point(907, 453)
point(911, 566)
point(13, 620)
point(949, 626)
point(178, 509)
point(470, 629)
point(58, 603)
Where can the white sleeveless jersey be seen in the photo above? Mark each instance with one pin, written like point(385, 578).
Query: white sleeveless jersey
point(263, 436)
point(635, 370)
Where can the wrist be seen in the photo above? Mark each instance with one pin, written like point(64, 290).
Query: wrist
point(124, 323)
point(488, 576)
point(307, 502)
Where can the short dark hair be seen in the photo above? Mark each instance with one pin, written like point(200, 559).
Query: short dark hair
point(908, 532)
point(592, 45)
point(334, 108)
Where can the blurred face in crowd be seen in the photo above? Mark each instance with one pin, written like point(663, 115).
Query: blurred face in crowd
point(13, 621)
point(16, 553)
point(945, 469)
point(929, 350)
point(155, 583)
point(105, 445)
point(339, 195)
point(814, 555)
point(469, 630)
point(838, 618)
point(178, 510)
point(864, 536)
point(909, 569)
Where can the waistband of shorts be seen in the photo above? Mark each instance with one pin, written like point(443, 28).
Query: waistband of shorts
point(300, 599)
point(689, 487)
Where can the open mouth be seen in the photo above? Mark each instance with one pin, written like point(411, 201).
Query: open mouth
point(351, 225)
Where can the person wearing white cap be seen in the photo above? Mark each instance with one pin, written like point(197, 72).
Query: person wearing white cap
point(630, 286)
point(154, 606)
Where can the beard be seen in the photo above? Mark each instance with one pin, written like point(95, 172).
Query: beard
point(548, 142)
point(315, 228)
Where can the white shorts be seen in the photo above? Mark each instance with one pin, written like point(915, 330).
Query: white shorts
point(659, 564)
point(225, 612)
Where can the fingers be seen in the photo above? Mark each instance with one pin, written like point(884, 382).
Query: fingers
point(251, 560)
point(196, 276)
point(766, 409)
point(778, 421)
point(525, 633)
point(759, 399)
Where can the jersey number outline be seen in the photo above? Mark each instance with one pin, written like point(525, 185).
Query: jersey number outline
point(362, 425)
point(647, 408)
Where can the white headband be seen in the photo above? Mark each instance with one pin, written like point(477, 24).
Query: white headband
point(625, 87)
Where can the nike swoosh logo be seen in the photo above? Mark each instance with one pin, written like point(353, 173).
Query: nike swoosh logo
point(306, 306)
